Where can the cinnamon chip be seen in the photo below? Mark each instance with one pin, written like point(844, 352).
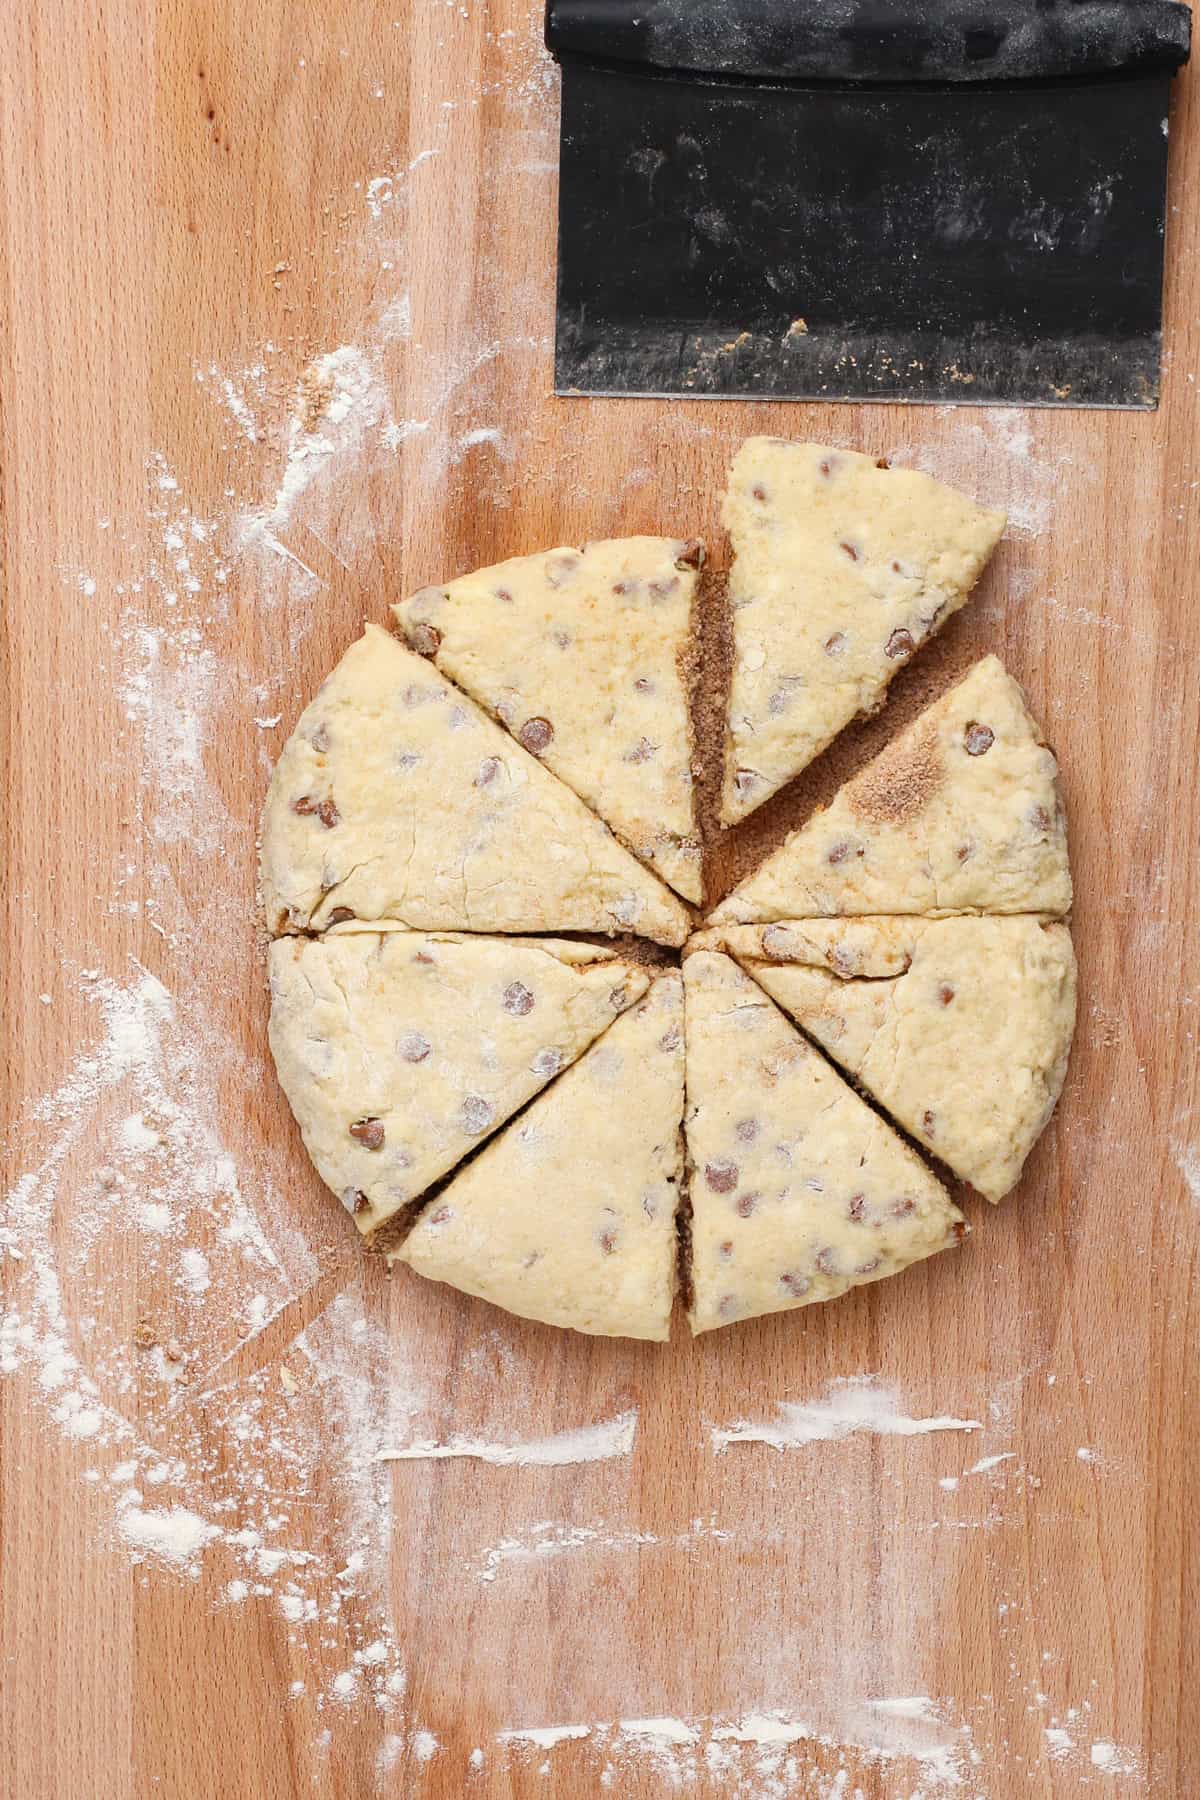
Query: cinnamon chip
point(369, 1133)
point(425, 638)
point(476, 1114)
point(535, 735)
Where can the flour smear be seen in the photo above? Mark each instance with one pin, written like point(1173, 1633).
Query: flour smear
point(855, 1405)
point(585, 1444)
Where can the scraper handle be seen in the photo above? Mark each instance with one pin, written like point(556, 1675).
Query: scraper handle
point(889, 41)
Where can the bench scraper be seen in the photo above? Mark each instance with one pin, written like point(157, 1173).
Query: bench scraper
point(864, 199)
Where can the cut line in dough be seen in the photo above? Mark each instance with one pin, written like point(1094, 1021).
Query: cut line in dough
point(842, 569)
point(568, 1216)
point(401, 1052)
point(397, 798)
point(960, 813)
point(960, 1028)
point(799, 1191)
point(585, 657)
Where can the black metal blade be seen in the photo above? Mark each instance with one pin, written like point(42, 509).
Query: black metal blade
point(738, 238)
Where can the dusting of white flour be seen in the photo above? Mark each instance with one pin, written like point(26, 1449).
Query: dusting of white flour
point(587, 1443)
point(859, 1404)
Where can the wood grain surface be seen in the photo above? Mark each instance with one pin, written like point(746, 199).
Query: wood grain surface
point(184, 185)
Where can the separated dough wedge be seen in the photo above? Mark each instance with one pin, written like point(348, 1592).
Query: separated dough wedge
point(569, 1215)
point(397, 798)
point(841, 571)
point(799, 1191)
point(966, 1047)
point(961, 813)
point(401, 1051)
point(582, 654)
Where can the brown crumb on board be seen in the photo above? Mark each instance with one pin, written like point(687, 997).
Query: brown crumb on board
point(315, 391)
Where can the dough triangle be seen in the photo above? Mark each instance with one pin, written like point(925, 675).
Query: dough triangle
point(960, 813)
point(966, 1047)
point(842, 569)
point(401, 1051)
point(569, 1215)
point(583, 655)
point(798, 1190)
point(396, 798)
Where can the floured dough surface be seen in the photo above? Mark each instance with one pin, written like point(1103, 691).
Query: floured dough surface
point(960, 1028)
point(842, 569)
point(799, 1191)
point(397, 798)
point(568, 1216)
point(402, 1051)
point(583, 655)
point(960, 813)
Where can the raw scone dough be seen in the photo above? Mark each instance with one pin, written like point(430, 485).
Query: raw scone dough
point(582, 654)
point(401, 1051)
point(502, 1108)
point(397, 798)
point(848, 948)
point(966, 1048)
point(960, 813)
point(841, 571)
point(799, 1191)
point(569, 1215)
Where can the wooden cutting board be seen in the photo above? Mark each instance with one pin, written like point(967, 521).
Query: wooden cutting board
point(198, 201)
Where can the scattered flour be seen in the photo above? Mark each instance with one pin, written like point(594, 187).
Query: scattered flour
point(763, 1728)
point(136, 1136)
point(543, 1736)
point(549, 1540)
point(490, 436)
point(987, 1463)
point(659, 1731)
point(424, 1746)
point(169, 692)
point(859, 1404)
point(236, 403)
point(768, 1754)
point(906, 1706)
point(1020, 479)
point(1112, 1759)
point(588, 1443)
point(342, 401)
point(391, 1749)
point(1187, 1161)
point(126, 1151)
point(194, 1275)
point(178, 1535)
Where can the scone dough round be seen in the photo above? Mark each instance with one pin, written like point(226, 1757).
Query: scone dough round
point(570, 1130)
